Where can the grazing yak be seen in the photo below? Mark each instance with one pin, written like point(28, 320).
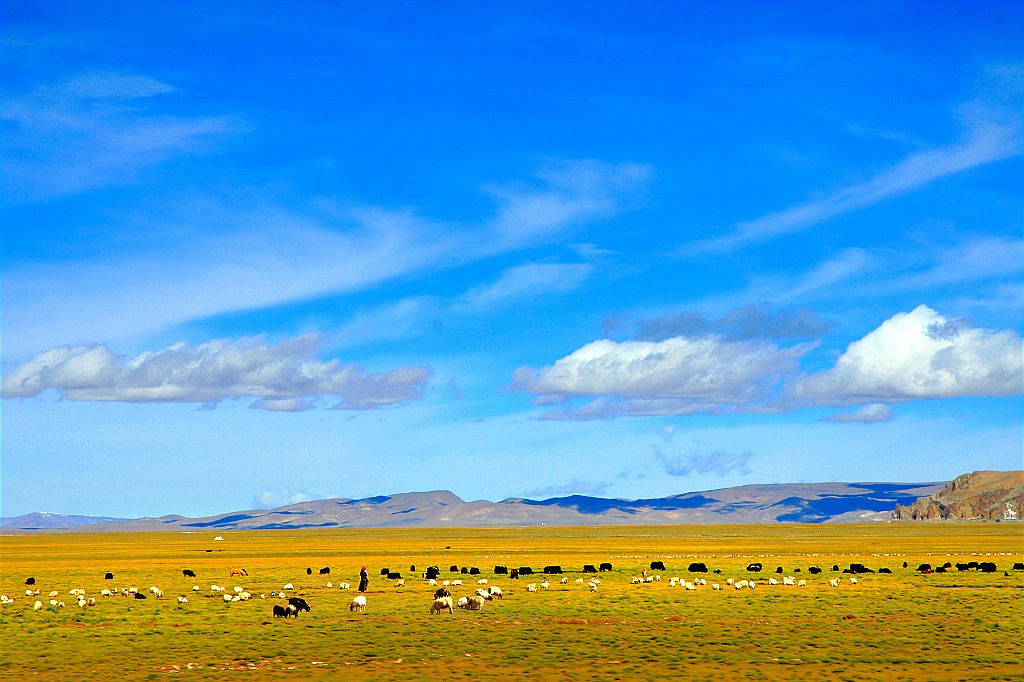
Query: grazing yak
point(30, 581)
point(188, 573)
point(326, 570)
point(108, 576)
point(754, 567)
point(605, 567)
point(589, 568)
point(501, 570)
point(299, 603)
point(697, 567)
point(657, 566)
point(525, 570)
point(552, 570)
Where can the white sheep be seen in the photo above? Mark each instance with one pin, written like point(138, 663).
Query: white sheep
point(593, 587)
point(157, 592)
point(343, 586)
point(482, 581)
point(532, 587)
point(446, 583)
point(773, 581)
point(834, 582)
point(853, 581)
point(563, 581)
point(475, 603)
point(801, 583)
point(288, 586)
point(53, 594)
point(237, 590)
point(461, 604)
point(329, 585)
point(456, 583)
point(38, 606)
point(432, 582)
point(716, 586)
point(182, 600)
point(578, 581)
point(358, 604)
point(788, 580)
point(442, 604)
point(495, 592)
point(106, 593)
point(673, 582)
point(91, 601)
point(544, 584)
point(483, 594)
point(53, 602)
point(730, 581)
point(689, 586)
point(229, 598)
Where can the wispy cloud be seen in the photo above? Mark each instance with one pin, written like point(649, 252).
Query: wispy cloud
point(95, 130)
point(991, 133)
point(532, 279)
point(744, 323)
point(719, 462)
point(284, 377)
point(573, 487)
point(261, 254)
point(873, 413)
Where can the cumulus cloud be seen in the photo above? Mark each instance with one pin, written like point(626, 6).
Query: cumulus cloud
point(282, 377)
point(719, 462)
point(916, 355)
point(675, 376)
point(573, 487)
point(271, 499)
point(872, 413)
point(753, 321)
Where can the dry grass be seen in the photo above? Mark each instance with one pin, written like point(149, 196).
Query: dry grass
point(904, 625)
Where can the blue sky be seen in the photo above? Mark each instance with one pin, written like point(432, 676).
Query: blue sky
point(256, 253)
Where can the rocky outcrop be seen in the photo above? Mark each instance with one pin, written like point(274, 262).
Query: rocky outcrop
point(981, 495)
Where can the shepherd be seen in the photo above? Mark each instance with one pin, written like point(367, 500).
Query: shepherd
point(364, 579)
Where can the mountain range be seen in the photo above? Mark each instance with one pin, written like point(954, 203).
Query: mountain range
point(770, 503)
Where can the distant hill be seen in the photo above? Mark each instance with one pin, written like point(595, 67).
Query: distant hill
point(775, 503)
point(49, 520)
point(978, 495)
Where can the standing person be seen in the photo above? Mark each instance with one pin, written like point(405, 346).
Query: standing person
point(364, 579)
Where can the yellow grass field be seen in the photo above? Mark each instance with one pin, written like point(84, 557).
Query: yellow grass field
point(907, 626)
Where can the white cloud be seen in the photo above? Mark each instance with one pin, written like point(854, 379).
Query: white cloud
point(282, 377)
point(532, 279)
point(916, 355)
point(203, 259)
point(675, 376)
point(271, 499)
point(573, 487)
point(872, 413)
point(991, 133)
point(93, 131)
point(720, 462)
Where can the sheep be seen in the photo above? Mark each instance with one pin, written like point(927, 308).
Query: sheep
point(632, 581)
point(195, 588)
point(773, 581)
point(446, 583)
point(4, 599)
point(329, 585)
point(532, 587)
point(673, 582)
point(182, 600)
point(593, 587)
point(91, 601)
point(53, 602)
point(28, 593)
point(288, 586)
point(218, 538)
point(689, 586)
point(344, 586)
point(730, 581)
point(106, 593)
point(442, 604)
point(216, 588)
point(157, 592)
point(495, 592)
point(432, 582)
point(456, 583)
point(578, 581)
point(237, 590)
point(475, 603)
point(657, 578)
point(399, 583)
point(482, 581)
point(483, 594)
point(788, 581)
point(461, 604)
point(853, 581)
point(716, 586)
point(38, 606)
point(544, 584)
point(801, 583)
point(81, 602)
point(358, 604)
point(563, 581)
point(53, 594)
point(228, 598)
point(834, 582)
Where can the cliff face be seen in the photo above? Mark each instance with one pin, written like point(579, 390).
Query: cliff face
point(978, 495)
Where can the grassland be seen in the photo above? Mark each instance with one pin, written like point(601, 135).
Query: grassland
point(907, 626)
